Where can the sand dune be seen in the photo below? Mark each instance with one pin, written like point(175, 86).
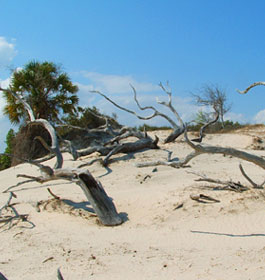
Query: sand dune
point(159, 239)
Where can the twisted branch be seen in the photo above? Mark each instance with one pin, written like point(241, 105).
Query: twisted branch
point(250, 87)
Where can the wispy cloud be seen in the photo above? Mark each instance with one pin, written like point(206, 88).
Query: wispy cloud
point(7, 51)
point(126, 99)
point(260, 117)
point(116, 83)
point(3, 84)
point(235, 117)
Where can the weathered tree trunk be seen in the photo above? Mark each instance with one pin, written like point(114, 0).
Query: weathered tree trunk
point(2, 277)
point(174, 135)
point(100, 201)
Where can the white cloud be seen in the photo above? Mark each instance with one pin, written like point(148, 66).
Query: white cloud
point(7, 51)
point(235, 117)
point(182, 105)
point(259, 117)
point(3, 84)
point(116, 83)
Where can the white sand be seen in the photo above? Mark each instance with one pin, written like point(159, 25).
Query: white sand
point(223, 240)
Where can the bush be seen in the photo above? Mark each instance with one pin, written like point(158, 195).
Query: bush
point(5, 161)
point(217, 127)
point(146, 127)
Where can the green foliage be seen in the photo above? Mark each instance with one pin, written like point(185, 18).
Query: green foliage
point(201, 118)
point(48, 91)
point(218, 127)
point(146, 127)
point(87, 118)
point(215, 97)
point(5, 161)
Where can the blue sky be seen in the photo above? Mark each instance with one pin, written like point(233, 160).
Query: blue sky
point(107, 44)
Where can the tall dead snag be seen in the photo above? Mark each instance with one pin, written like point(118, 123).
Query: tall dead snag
point(102, 204)
point(177, 130)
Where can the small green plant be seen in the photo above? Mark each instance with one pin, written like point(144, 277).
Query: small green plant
point(202, 118)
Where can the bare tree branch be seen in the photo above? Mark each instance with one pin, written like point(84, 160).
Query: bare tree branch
point(250, 87)
point(199, 149)
point(7, 219)
point(226, 151)
point(228, 185)
point(21, 100)
point(255, 186)
point(93, 190)
point(169, 103)
point(59, 274)
point(177, 130)
point(205, 126)
point(44, 168)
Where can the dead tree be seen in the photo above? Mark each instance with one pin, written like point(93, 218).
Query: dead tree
point(203, 149)
point(177, 130)
point(113, 146)
point(199, 149)
point(215, 97)
point(95, 193)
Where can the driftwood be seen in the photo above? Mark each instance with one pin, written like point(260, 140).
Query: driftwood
point(113, 146)
point(254, 185)
point(200, 149)
point(101, 203)
point(226, 185)
point(203, 198)
point(199, 140)
point(93, 190)
point(59, 275)
point(9, 219)
point(2, 277)
point(250, 87)
point(177, 130)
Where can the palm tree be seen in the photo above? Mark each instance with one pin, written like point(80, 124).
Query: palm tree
point(46, 88)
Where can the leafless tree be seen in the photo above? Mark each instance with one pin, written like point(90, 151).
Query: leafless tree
point(215, 97)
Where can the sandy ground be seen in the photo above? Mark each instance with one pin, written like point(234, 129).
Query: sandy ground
point(158, 239)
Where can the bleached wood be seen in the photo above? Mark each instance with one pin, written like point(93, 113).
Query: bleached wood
point(250, 87)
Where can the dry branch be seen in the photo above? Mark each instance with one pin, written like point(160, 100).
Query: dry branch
point(205, 126)
point(101, 203)
point(199, 149)
point(177, 130)
point(227, 185)
point(250, 87)
point(203, 198)
point(254, 185)
point(93, 190)
point(226, 151)
point(9, 219)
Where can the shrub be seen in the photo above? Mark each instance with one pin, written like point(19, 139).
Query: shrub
point(5, 161)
